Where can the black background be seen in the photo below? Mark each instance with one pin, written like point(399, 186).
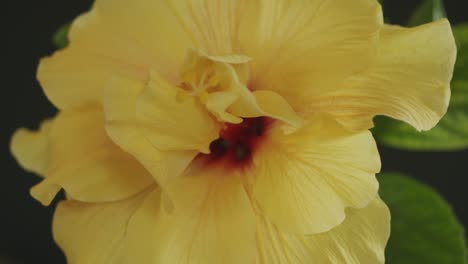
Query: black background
point(26, 30)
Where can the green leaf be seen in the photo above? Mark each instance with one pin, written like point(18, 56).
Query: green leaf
point(60, 38)
point(452, 131)
point(424, 227)
point(461, 38)
point(428, 11)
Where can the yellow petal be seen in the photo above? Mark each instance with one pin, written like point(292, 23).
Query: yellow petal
point(275, 106)
point(361, 238)
point(240, 63)
point(86, 163)
point(231, 97)
point(121, 98)
point(114, 37)
point(306, 180)
point(218, 102)
point(230, 58)
point(212, 25)
point(165, 121)
point(212, 222)
point(31, 148)
point(260, 103)
point(263, 103)
point(409, 80)
point(306, 47)
point(94, 233)
point(207, 74)
point(72, 78)
point(130, 39)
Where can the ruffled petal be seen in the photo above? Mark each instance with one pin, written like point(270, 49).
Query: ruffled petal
point(218, 102)
point(361, 238)
point(212, 222)
point(275, 106)
point(172, 123)
point(72, 78)
point(306, 47)
point(82, 160)
point(31, 148)
point(218, 82)
point(94, 233)
point(304, 181)
point(129, 39)
point(114, 37)
point(153, 138)
point(409, 80)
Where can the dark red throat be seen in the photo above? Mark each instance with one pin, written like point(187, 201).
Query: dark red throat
point(237, 143)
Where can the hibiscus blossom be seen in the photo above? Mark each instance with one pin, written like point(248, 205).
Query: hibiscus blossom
point(229, 131)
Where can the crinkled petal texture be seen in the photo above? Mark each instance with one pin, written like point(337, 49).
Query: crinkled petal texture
point(212, 222)
point(298, 35)
point(324, 68)
point(302, 48)
point(361, 238)
point(163, 132)
point(106, 40)
point(408, 80)
point(304, 181)
point(225, 230)
point(73, 152)
point(165, 119)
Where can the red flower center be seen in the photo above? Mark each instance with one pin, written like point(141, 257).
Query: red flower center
point(237, 142)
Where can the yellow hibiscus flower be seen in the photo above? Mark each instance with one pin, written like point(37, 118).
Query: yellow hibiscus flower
point(229, 131)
